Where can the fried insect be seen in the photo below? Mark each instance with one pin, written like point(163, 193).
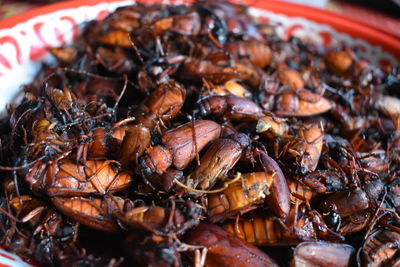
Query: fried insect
point(258, 53)
point(222, 156)
point(272, 231)
point(230, 107)
point(291, 78)
point(137, 138)
point(301, 103)
point(163, 104)
point(66, 179)
point(271, 127)
point(307, 147)
point(224, 249)
point(239, 196)
point(301, 224)
point(323, 254)
point(95, 213)
point(381, 248)
point(162, 220)
point(279, 199)
point(162, 117)
point(181, 145)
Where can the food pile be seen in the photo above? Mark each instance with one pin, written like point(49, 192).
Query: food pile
point(193, 135)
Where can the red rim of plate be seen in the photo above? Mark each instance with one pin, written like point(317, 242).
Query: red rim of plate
point(355, 29)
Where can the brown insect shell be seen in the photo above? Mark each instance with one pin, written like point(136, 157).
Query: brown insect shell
point(381, 248)
point(184, 24)
point(310, 149)
point(66, 178)
point(220, 157)
point(236, 89)
point(105, 141)
point(144, 249)
point(224, 249)
point(322, 254)
point(114, 59)
point(182, 144)
point(229, 87)
point(258, 53)
point(28, 208)
point(42, 130)
point(272, 127)
point(65, 54)
point(239, 196)
point(267, 230)
point(248, 73)
point(389, 106)
point(166, 101)
point(348, 202)
point(291, 78)
point(156, 160)
point(303, 191)
point(279, 199)
point(339, 62)
point(152, 218)
point(165, 181)
point(230, 107)
point(195, 70)
point(355, 222)
point(301, 103)
point(92, 212)
point(375, 162)
point(137, 138)
point(116, 38)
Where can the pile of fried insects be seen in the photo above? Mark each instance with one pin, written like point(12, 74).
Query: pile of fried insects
point(193, 135)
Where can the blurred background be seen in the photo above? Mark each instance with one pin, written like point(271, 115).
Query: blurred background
point(382, 14)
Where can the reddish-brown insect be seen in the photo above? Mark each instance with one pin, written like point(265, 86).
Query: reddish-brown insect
point(339, 62)
point(239, 196)
point(381, 248)
point(181, 145)
point(301, 224)
point(65, 54)
point(224, 249)
point(389, 106)
point(44, 137)
point(92, 212)
point(300, 192)
point(307, 147)
point(152, 218)
point(301, 103)
point(279, 199)
point(148, 249)
point(229, 87)
point(105, 141)
point(230, 107)
point(258, 53)
point(116, 38)
point(195, 70)
point(291, 78)
point(271, 231)
point(66, 178)
point(271, 127)
point(322, 254)
point(223, 154)
point(157, 219)
point(163, 104)
point(136, 140)
point(348, 202)
point(185, 24)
